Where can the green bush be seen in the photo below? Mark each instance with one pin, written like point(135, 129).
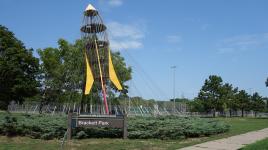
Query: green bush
point(170, 127)
point(81, 135)
point(34, 126)
point(47, 136)
point(9, 126)
point(174, 127)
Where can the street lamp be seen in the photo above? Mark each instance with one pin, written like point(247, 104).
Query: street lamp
point(174, 71)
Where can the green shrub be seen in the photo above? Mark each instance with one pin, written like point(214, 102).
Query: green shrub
point(170, 127)
point(81, 135)
point(47, 136)
point(34, 126)
point(9, 126)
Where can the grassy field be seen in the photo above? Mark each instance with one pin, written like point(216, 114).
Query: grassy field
point(260, 145)
point(238, 126)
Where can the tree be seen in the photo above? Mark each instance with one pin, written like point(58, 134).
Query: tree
point(257, 103)
point(196, 105)
point(62, 71)
point(242, 99)
point(266, 83)
point(227, 97)
point(266, 101)
point(210, 94)
point(19, 70)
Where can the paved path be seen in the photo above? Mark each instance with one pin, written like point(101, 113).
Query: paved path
point(231, 143)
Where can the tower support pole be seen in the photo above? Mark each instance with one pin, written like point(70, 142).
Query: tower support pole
point(102, 82)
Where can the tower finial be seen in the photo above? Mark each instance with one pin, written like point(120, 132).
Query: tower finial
point(90, 8)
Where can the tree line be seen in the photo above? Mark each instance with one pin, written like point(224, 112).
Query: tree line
point(217, 96)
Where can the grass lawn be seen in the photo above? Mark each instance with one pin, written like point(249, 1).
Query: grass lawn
point(259, 145)
point(238, 126)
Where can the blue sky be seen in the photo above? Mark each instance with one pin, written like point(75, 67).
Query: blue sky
point(223, 37)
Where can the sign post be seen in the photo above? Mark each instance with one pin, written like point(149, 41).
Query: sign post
point(69, 128)
point(125, 133)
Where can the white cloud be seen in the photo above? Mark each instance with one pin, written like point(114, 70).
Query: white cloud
point(123, 45)
point(125, 30)
point(115, 2)
point(243, 43)
point(174, 39)
point(125, 36)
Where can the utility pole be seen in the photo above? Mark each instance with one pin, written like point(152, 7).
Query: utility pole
point(174, 83)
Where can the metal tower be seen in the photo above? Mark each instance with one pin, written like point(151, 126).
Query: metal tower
point(98, 60)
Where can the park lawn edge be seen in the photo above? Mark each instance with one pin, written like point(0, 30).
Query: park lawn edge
point(259, 145)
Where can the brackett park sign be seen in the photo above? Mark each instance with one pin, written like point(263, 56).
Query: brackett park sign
point(95, 121)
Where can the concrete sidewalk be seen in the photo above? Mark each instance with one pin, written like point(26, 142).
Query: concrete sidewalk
point(231, 143)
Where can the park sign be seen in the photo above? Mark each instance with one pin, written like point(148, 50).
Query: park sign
point(91, 121)
point(96, 121)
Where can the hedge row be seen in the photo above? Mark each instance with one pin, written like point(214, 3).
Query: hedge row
point(174, 127)
point(49, 127)
point(34, 126)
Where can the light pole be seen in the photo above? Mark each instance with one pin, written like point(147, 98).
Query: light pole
point(174, 71)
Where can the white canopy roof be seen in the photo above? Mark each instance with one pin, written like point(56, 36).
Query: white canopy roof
point(90, 8)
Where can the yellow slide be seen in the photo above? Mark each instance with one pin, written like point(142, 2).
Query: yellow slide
point(112, 74)
point(89, 77)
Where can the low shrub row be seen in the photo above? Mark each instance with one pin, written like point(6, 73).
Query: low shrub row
point(34, 126)
point(174, 127)
point(49, 127)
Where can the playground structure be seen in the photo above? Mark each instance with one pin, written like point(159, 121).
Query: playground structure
point(99, 69)
point(99, 74)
